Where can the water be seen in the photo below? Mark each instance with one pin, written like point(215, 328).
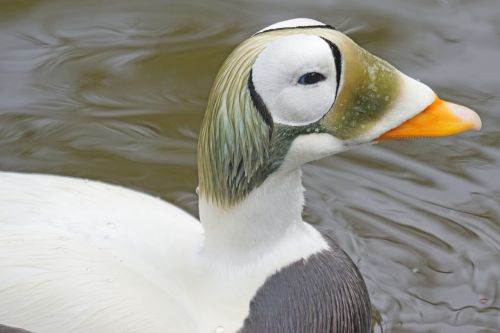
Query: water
point(115, 91)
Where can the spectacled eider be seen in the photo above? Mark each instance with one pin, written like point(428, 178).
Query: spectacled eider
point(83, 256)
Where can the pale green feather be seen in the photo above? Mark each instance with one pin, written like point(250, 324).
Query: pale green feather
point(234, 139)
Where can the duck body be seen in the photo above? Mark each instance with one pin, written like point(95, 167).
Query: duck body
point(75, 267)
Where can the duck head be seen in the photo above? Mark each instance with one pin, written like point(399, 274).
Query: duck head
point(298, 91)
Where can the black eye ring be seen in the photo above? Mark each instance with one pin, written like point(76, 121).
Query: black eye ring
point(311, 78)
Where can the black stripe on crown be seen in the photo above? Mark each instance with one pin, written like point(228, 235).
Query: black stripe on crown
point(323, 26)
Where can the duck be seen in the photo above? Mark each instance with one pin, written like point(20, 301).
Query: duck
point(78, 255)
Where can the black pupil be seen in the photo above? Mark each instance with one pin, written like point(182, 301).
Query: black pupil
point(311, 78)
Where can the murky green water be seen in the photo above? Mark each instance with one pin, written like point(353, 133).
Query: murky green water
point(115, 90)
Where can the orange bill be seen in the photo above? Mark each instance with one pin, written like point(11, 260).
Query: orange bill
point(441, 118)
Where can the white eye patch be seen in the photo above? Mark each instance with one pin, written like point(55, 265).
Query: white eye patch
point(296, 77)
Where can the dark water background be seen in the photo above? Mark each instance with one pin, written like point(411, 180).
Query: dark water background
point(115, 91)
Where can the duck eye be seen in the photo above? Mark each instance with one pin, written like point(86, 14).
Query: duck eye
point(311, 78)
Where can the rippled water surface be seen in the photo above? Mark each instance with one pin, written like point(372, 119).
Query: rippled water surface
point(115, 91)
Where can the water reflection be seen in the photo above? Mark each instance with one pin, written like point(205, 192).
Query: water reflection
point(116, 90)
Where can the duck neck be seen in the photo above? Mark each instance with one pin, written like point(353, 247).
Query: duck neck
point(257, 222)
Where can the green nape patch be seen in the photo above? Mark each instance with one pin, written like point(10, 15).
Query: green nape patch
point(234, 140)
point(233, 186)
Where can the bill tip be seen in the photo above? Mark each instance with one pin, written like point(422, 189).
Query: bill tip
point(467, 115)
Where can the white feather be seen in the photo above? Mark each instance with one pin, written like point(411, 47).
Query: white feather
point(82, 256)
